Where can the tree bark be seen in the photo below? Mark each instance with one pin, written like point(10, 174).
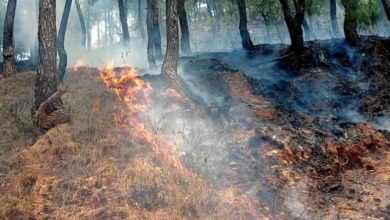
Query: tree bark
point(156, 32)
point(125, 28)
point(48, 111)
point(185, 33)
point(245, 37)
point(82, 24)
point(169, 67)
point(333, 18)
point(140, 21)
point(149, 28)
point(294, 24)
point(350, 24)
point(61, 41)
point(8, 37)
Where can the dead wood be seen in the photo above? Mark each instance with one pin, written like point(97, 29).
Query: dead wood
point(44, 120)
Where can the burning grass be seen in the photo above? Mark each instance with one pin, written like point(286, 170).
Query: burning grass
point(96, 169)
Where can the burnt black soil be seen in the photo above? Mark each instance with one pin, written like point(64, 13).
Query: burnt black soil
point(315, 104)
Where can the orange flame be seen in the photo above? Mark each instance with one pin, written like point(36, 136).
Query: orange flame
point(79, 63)
point(135, 94)
point(95, 106)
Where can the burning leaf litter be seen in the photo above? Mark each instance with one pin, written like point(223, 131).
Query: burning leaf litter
point(135, 94)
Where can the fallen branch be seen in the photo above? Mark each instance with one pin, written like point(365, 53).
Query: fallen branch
point(44, 121)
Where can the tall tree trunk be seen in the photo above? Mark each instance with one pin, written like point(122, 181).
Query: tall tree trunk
point(8, 36)
point(267, 26)
point(312, 32)
point(34, 45)
point(140, 21)
point(61, 41)
point(333, 18)
point(386, 6)
point(185, 33)
point(105, 28)
point(88, 27)
point(169, 67)
point(149, 28)
point(306, 29)
point(156, 32)
point(350, 24)
point(110, 27)
point(280, 35)
point(48, 109)
point(46, 80)
point(82, 24)
point(98, 30)
point(208, 8)
point(245, 37)
point(294, 24)
point(125, 28)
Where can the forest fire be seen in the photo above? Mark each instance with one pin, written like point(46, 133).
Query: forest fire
point(96, 106)
point(79, 63)
point(135, 94)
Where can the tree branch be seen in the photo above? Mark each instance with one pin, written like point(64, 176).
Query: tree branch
point(57, 95)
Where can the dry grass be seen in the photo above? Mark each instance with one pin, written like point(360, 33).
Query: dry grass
point(91, 169)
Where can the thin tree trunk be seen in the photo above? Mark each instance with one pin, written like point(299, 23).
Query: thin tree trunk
point(156, 32)
point(386, 6)
point(8, 36)
point(294, 24)
point(61, 41)
point(125, 28)
point(350, 24)
point(185, 33)
point(267, 26)
point(82, 24)
point(208, 8)
point(312, 32)
point(88, 35)
point(280, 36)
point(245, 37)
point(169, 67)
point(98, 30)
point(110, 27)
point(333, 17)
point(34, 45)
point(48, 109)
point(306, 29)
point(140, 21)
point(105, 28)
point(149, 28)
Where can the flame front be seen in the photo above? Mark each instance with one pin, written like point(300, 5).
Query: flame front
point(135, 94)
point(79, 63)
point(96, 106)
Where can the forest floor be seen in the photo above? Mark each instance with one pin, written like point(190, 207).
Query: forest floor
point(251, 136)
